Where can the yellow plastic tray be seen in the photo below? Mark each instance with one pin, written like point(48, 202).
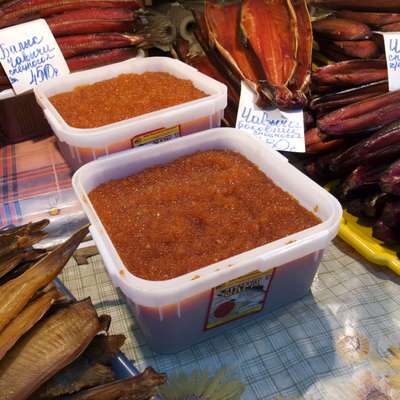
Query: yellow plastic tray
point(360, 238)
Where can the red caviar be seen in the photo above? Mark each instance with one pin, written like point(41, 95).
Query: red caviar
point(169, 220)
point(123, 97)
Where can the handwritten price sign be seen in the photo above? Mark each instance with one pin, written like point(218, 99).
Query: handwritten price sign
point(392, 50)
point(30, 55)
point(284, 131)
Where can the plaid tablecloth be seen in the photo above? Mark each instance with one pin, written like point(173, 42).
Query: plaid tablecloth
point(34, 179)
point(35, 183)
point(295, 352)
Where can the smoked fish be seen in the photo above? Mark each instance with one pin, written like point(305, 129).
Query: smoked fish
point(89, 370)
point(346, 97)
point(342, 29)
point(302, 75)
point(269, 27)
point(24, 321)
point(16, 293)
point(48, 347)
point(374, 19)
point(222, 21)
point(359, 5)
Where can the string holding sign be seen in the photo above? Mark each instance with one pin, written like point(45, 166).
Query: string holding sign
point(284, 131)
point(30, 55)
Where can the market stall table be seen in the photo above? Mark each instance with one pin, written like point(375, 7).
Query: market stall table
point(352, 310)
point(314, 348)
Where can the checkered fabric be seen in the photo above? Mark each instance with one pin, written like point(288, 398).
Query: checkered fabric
point(34, 179)
point(286, 354)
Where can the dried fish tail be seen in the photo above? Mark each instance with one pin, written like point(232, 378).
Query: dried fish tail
point(140, 387)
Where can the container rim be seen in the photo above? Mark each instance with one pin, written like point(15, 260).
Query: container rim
point(274, 253)
point(111, 133)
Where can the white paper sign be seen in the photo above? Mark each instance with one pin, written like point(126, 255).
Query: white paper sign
point(392, 50)
point(30, 55)
point(284, 131)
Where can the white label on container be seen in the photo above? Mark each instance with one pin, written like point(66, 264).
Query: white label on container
point(284, 131)
point(392, 50)
point(238, 298)
point(30, 55)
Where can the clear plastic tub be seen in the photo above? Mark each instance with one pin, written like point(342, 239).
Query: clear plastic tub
point(177, 313)
point(82, 145)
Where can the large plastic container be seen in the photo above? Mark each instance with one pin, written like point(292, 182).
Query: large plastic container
point(176, 313)
point(82, 145)
point(21, 118)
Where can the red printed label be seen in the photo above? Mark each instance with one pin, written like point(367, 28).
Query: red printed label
point(238, 298)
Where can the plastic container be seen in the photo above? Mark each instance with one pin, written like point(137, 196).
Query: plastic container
point(21, 118)
point(82, 145)
point(177, 313)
